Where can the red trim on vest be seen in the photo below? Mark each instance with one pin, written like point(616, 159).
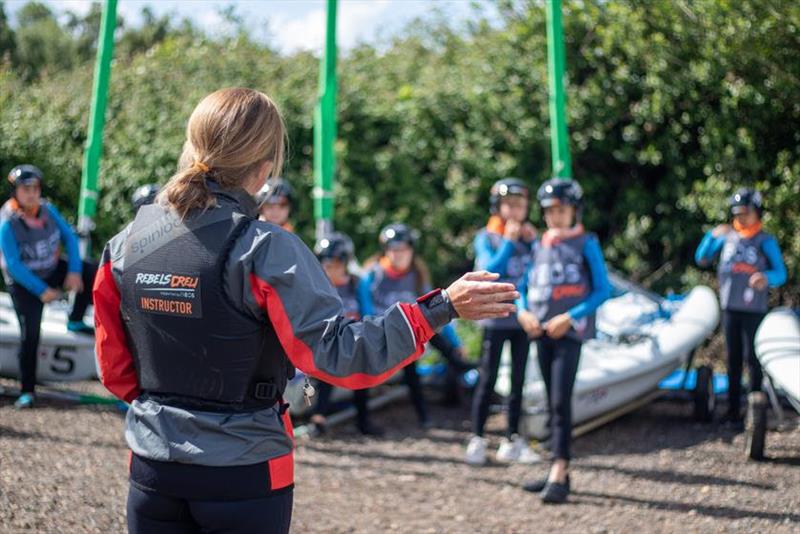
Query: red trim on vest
point(117, 372)
point(281, 469)
point(300, 354)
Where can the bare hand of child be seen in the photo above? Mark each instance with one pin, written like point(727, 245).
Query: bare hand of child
point(528, 232)
point(721, 230)
point(558, 326)
point(50, 295)
point(73, 282)
point(530, 324)
point(758, 281)
point(512, 230)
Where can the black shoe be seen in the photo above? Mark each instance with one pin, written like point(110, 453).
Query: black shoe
point(318, 429)
point(369, 429)
point(555, 493)
point(425, 424)
point(733, 422)
point(536, 486)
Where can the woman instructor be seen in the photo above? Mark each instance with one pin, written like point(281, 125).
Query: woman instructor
point(202, 314)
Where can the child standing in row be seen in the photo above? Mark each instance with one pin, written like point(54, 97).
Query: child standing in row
point(750, 262)
point(503, 247)
point(566, 282)
point(398, 275)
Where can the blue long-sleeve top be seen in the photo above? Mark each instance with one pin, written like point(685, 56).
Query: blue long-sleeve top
point(17, 268)
point(364, 296)
point(489, 259)
point(710, 246)
point(601, 287)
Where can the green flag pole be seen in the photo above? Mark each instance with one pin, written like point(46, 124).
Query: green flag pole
point(87, 207)
point(325, 129)
point(559, 138)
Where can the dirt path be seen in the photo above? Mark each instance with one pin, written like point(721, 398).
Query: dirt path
point(62, 469)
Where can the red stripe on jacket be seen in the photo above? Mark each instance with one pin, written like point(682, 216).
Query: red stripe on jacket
point(117, 372)
point(300, 354)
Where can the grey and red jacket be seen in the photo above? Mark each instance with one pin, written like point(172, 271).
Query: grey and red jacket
point(201, 321)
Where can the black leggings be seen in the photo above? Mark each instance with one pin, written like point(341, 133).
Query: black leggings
point(154, 513)
point(740, 332)
point(29, 313)
point(493, 341)
point(558, 361)
point(360, 398)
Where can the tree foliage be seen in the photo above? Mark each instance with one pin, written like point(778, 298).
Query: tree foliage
point(672, 105)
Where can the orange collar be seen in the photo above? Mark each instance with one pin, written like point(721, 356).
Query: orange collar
point(288, 227)
point(13, 205)
point(496, 225)
point(390, 271)
point(340, 282)
point(746, 231)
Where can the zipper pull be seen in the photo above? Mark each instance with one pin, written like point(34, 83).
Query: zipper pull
point(308, 392)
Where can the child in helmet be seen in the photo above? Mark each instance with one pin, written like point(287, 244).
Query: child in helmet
point(32, 233)
point(750, 262)
point(144, 195)
point(275, 201)
point(566, 282)
point(335, 252)
point(398, 276)
point(503, 247)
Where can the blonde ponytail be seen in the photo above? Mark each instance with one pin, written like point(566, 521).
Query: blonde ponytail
point(230, 135)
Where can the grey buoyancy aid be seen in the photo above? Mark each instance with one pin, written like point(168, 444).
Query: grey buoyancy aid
point(560, 279)
point(739, 260)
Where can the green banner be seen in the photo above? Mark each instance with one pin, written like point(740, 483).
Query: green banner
point(325, 129)
point(559, 137)
point(87, 207)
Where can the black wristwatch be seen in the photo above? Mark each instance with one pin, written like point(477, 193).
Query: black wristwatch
point(437, 308)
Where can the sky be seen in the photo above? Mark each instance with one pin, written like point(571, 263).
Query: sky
point(291, 25)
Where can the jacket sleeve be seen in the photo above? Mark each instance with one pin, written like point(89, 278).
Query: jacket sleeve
point(601, 288)
point(117, 371)
point(288, 286)
point(708, 249)
point(17, 269)
point(776, 275)
point(522, 289)
point(69, 239)
point(491, 260)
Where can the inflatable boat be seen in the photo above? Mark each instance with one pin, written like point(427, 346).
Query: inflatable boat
point(778, 349)
point(642, 338)
point(63, 355)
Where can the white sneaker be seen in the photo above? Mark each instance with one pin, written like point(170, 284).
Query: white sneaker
point(517, 450)
point(476, 451)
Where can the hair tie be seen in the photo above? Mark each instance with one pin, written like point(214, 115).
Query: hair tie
point(200, 165)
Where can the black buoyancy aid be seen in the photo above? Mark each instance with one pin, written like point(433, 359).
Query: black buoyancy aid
point(193, 346)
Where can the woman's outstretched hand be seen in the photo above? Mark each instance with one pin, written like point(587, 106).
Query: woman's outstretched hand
point(477, 296)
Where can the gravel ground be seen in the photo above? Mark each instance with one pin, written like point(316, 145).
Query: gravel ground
point(62, 469)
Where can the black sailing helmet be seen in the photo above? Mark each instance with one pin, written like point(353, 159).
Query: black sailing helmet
point(25, 174)
point(505, 188)
point(398, 233)
point(274, 190)
point(335, 246)
point(561, 191)
point(144, 195)
point(746, 198)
